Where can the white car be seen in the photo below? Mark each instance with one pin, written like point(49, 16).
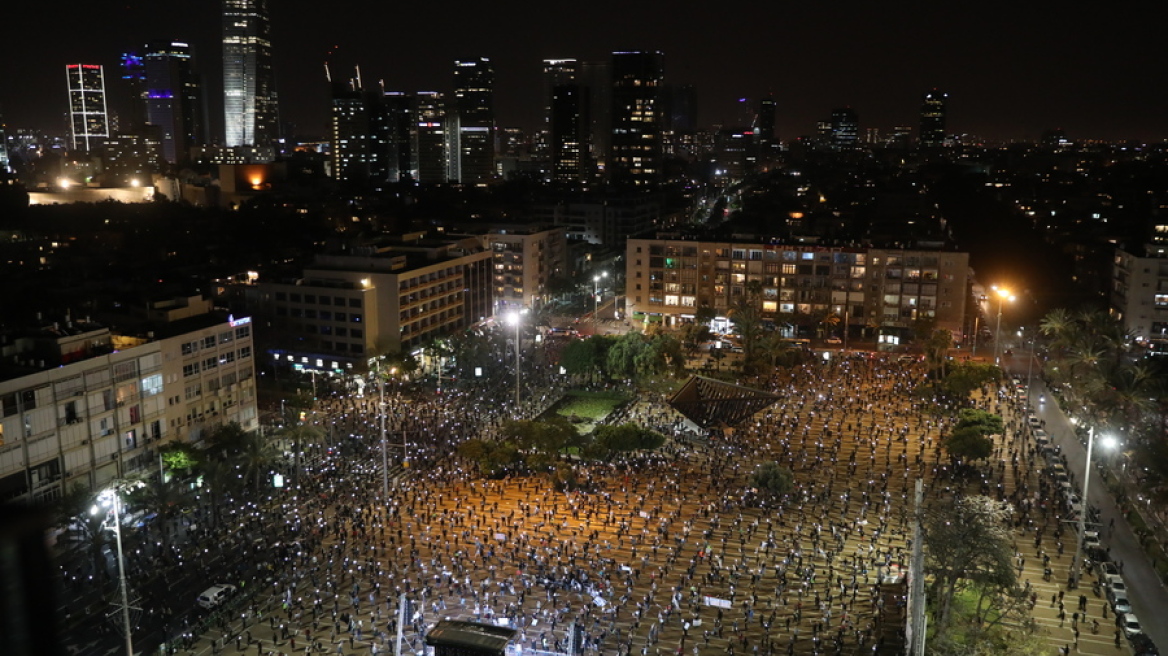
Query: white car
point(215, 595)
point(1131, 624)
point(834, 340)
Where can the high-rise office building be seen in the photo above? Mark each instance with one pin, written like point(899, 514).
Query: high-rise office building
point(474, 106)
point(933, 118)
point(431, 136)
point(557, 73)
point(174, 98)
point(597, 78)
point(88, 116)
point(249, 86)
point(134, 76)
point(637, 81)
point(361, 134)
point(682, 113)
point(568, 133)
point(764, 125)
point(5, 164)
point(400, 118)
point(845, 127)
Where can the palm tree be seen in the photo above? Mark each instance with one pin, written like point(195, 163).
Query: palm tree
point(167, 498)
point(220, 479)
point(256, 456)
point(1057, 324)
point(299, 434)
point(82, 528)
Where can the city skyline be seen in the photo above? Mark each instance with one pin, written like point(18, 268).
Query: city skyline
point(1009, 75)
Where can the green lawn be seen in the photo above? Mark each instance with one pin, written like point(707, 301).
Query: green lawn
point(591, 407)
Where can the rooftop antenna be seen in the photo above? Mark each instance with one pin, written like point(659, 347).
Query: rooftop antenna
point(327, 73)
point(359, 86)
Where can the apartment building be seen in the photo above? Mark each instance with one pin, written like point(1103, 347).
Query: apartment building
point(347, 308)
point(80, 404)
point(669, 277)
point(525, 259)
point(1139, 292)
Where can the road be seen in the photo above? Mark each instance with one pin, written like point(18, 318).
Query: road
point(1148, 595)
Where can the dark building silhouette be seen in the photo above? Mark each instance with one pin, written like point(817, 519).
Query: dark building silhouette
point(568, 133)
point(933, 108)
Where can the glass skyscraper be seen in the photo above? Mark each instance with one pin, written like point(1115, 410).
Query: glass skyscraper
point(249, 89)
point(474, 105)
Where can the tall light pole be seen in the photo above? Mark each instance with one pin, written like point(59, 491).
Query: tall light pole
point(111, 496)
point(1108, 442)
point(515, 319)
point(596, 293)
point(384, 455)
point(1003, 296)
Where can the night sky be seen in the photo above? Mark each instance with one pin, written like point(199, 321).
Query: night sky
point(1012, 69)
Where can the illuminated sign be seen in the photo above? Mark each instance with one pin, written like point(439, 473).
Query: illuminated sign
point(239, 322)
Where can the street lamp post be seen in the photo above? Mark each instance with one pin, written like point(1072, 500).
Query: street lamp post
point(515, 318)
point(384, 455)
point(1108, 441)
point(111, 495)
point(596, 293)
point(1003, 296)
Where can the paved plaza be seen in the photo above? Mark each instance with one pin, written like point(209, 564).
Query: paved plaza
point(669, 553)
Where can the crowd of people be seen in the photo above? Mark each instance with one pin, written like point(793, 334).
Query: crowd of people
point(666, 552)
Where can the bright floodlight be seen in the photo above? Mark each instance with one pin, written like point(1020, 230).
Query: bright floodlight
point(513, 318)
point(1108, 441)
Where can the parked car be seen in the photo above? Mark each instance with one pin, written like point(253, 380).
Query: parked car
point(1142, 645)
point(834, 340)
point(1119, 602)
point(1106, 569)
point(1131, 624)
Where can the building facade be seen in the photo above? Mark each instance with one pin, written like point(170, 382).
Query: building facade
point(1139, 292)
point(524, 260)
point(107, 405)
point(890, 289)
point(173, 98)
point(249, 85)
point(88, 115)
point(346, 309)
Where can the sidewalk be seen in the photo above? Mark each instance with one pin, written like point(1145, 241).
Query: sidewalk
point(1148, 596)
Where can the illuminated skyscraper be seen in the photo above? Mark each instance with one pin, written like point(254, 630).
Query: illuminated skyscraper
point(933, 118)
point(174, 98)
point(88, 117)
point(474, 106)
point(637, 81)
point(361, 139)
point(249, 87)
point(431, 143)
